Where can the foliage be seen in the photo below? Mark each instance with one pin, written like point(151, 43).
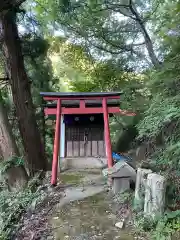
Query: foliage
point(160, 122)
point(9, 163)
point(106, 29)
point(11, 207)
point(161, 227)
point(161, 112)
point(124, 198)
point(13, 204)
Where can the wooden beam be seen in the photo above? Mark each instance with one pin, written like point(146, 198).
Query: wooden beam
point(82, 104)
point(80, 98)
point(90, 110)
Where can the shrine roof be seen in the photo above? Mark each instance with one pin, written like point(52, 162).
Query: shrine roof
point(79, 94)
point(89, 103)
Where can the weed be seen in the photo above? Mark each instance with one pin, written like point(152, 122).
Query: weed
point(125, 197)
point(12, 205)
point(159, 228)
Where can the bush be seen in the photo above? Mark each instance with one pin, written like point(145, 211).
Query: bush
point(13, 204)
point(160, 228)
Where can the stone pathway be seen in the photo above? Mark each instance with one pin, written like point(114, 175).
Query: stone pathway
point(74, 193)
point(84, 213)
point(87, 219)
point(80, 208)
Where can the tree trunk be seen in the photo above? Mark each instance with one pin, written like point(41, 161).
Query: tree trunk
point(22, 98)
point(8, 4)
point(16, 177)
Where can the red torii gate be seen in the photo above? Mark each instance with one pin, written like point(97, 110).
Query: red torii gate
point(82, 109)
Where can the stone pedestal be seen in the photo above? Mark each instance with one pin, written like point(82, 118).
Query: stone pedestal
point(140, 187)
point(155, 195)
point(120, 185)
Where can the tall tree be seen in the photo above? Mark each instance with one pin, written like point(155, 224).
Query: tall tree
point(16, 176)
point(21, 93)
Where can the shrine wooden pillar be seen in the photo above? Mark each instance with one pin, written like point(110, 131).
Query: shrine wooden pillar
point(56, 144)
point(107, 133)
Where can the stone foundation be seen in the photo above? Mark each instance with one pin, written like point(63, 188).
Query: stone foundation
point(81, 163)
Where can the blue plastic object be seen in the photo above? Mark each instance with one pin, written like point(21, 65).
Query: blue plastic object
point(118, 157)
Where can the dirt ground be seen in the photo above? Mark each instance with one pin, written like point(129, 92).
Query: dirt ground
point(79, 208)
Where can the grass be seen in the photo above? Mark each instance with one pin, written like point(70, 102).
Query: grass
point(71, 178)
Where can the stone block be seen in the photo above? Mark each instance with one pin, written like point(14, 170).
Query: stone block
point(140, 187)
point(154, 203)
point(120, 185)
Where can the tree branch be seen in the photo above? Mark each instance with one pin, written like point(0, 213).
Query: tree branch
point(107, 50)
point(127, 48)
point(147, 38)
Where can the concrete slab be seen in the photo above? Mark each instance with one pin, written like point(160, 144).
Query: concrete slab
point(82, 163)
point(78, 193)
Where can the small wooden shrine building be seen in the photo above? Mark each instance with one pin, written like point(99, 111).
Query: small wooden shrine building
point(82, 124)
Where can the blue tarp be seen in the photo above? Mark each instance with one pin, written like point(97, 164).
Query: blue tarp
point(118, 157)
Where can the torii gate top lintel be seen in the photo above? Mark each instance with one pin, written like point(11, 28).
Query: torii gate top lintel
point(94, 100)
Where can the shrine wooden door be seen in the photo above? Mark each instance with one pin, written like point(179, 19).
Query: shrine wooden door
point(83, 141)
